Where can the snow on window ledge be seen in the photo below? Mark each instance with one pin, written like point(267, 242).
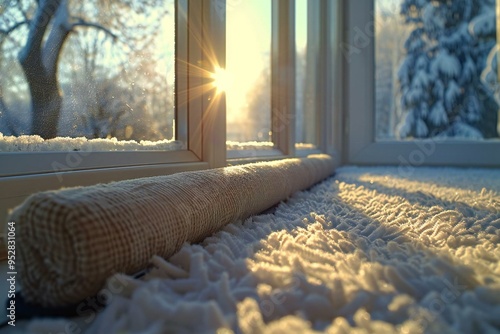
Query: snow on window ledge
point(34, 143)
point(251, 145)
point(305, 146)
point(253, 149)
point(266, 145)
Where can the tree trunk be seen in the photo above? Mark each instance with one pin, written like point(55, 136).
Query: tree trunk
point(39, 62)
point(6, 116)
point(46, 102)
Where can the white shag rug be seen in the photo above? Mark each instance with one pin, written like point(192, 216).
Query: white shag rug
point(365, 251)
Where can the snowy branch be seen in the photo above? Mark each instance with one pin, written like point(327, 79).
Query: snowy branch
point(14, 27)
point(38, 26)
point(83, 23)
point(57, 36)
point(22, 10)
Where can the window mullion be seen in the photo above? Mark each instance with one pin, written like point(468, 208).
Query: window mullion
point(323, 75)
point(181, 69)
point(214, 101)
point(283, 75)
point(331, 117)
point(194, 77)
point(206, 106)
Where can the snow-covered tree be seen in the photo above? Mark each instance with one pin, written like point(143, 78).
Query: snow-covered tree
point(484, 27)
point(442, 94)
point(390, 34)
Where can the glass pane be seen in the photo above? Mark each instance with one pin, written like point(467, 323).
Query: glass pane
point(436, 69)
point(308, 43)
point(305, 116)
point(109, 74)
point(248, 51)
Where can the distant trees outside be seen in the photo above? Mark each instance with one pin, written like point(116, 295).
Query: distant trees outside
point(432, 59)
point(105, 69)
point(87, 68)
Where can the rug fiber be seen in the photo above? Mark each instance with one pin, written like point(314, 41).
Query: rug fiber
point(367, 250)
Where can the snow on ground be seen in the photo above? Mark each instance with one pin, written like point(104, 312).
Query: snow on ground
point(364, 251)
point(33, 143)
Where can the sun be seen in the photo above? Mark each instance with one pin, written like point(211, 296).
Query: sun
point(221, 79)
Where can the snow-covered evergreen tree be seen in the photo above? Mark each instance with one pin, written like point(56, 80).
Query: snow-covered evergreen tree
point(442, 93)
point(484, 27)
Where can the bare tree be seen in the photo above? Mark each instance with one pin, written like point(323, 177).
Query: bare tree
point(49, 27)
point(49, 24)
point(132, 103)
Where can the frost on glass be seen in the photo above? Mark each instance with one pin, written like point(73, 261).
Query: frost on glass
point(436, 69)
point(87, 70)
point(305, 62)
point(248, 64)
point(301, 52)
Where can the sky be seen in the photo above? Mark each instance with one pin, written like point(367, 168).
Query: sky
point(248, 46)
point(248, 42)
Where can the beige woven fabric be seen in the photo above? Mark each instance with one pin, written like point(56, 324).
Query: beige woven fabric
point(70, 241)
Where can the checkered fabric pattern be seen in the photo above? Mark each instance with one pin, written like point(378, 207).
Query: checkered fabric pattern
point(70, 241)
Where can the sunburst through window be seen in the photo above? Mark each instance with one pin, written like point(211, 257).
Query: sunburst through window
point(248, 45)
point(114, 75)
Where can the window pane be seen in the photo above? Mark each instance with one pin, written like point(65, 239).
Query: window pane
point(112, 76)
point(305, 116)
point(248, 47)
point(436, 69)
point(308, 43)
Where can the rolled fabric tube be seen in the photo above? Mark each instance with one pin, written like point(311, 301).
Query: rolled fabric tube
point(70, 241)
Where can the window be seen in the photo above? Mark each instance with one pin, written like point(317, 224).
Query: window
point(321, 108)
point(249, 72)
point(315, 61)
point(109, 73)
point(305, 135)
point(190, 63)
point(297, 116)
point(116, 73)
point(435, 70)
point(267, 59)
point(197, 50)
point(382, 129)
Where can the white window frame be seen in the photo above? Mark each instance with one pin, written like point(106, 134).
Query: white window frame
point(360, 145)
point(324, 30)
point(282, 88)
point(200, 128)
point(201, 119)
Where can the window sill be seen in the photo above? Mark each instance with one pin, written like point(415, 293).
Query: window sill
point(15, 189)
